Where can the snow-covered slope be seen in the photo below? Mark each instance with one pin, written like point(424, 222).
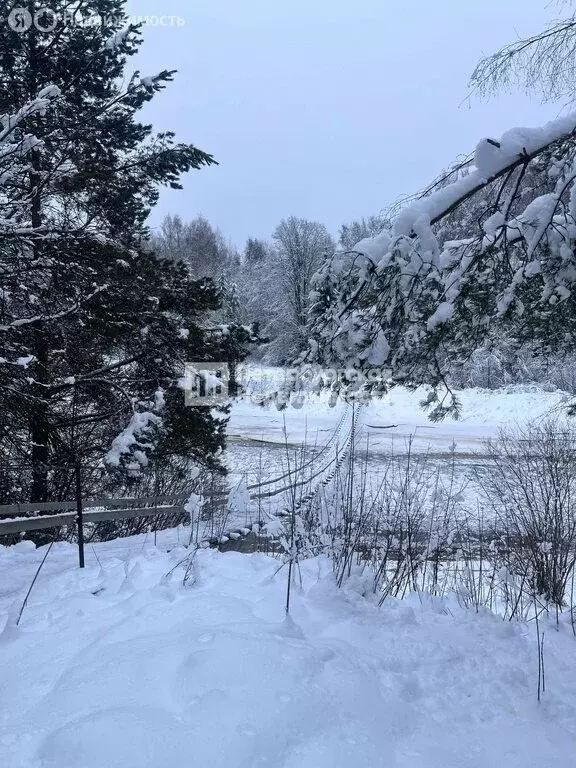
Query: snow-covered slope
point(121, 666)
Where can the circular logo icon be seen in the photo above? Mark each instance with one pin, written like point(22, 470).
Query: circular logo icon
point(20, 19)
point(45, 20)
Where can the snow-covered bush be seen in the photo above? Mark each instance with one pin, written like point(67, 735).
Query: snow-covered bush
point(417, 527)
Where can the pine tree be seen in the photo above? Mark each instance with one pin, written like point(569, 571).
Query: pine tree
point(255, 251)
point(94, 329)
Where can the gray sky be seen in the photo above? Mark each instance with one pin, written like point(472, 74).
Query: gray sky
point(326, 109)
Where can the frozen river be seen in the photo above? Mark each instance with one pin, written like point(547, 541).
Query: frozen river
point(388, 424)
point(264, 442)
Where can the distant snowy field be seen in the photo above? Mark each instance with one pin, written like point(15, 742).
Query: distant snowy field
point(121, 666)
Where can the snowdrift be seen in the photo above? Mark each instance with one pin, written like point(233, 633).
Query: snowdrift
point(122, 666)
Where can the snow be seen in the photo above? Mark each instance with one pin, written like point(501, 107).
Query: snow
point(159, 400)
point(193, 506)
point(121, 665)
point(536, 218)
point(434, 205)
point(374, 246)
point(115, 40)
point(491, 227)
point(483, 414)
point(378, 352)
point(492, 156)
point(25, 361)
point(49, 92)
point(443, 314)
point(140, 425)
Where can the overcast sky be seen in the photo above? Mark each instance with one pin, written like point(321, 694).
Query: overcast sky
point(326, 109)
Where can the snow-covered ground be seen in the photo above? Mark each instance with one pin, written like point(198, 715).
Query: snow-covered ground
point(122, 666)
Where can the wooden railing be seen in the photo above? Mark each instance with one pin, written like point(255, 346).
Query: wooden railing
point(19, 518)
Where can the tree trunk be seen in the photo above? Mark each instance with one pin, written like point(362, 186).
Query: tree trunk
point(39, 424)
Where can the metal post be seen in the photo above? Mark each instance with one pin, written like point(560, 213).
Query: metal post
point(79, 516)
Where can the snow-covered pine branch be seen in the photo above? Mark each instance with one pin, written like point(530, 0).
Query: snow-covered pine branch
point(16, 146)
point(493, 247)
point(131, 447)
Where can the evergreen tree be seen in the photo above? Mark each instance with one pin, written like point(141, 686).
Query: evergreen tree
point(229, 298)
point(94, 328)
point(255, 251)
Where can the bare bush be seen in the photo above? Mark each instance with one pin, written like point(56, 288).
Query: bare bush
point(531, 488)
point(409, 529)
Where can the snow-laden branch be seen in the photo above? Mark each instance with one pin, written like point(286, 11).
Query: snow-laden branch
point(135, 438)
point(39, 105)
point(492, 160)
point(36, 319)
point(399, 298)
